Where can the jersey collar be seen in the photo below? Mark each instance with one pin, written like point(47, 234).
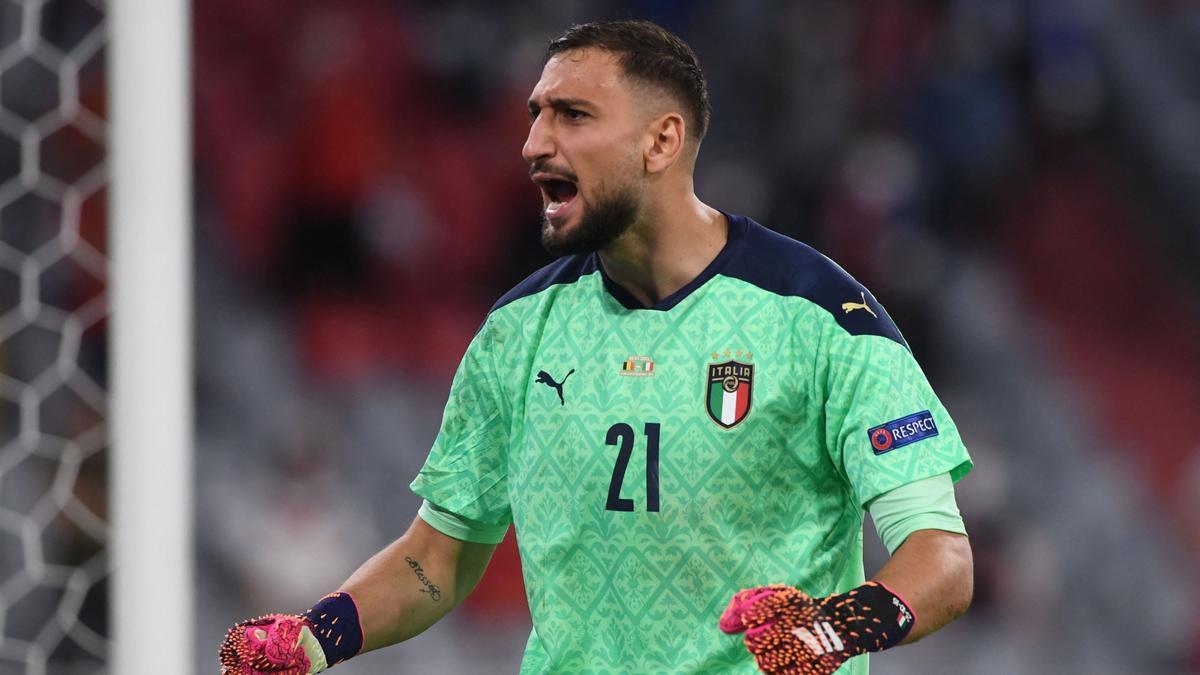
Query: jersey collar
point(737, 228)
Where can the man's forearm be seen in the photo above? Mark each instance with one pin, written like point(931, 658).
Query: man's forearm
point(933, 572)
point(414, 582)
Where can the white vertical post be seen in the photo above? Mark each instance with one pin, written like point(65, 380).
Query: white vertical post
point(150, 336)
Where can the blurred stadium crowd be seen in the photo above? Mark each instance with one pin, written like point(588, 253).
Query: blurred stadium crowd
point(1014, 179)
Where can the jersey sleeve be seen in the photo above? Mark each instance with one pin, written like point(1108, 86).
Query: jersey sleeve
point(884, 426)
point(463, 529)
point(466, 472)
point(927, 504)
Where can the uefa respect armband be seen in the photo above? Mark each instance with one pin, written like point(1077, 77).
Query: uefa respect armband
point(904, 431)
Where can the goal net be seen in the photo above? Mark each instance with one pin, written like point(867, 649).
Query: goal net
point(54, 559)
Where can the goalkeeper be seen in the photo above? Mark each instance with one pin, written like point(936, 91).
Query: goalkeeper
point(685, 418)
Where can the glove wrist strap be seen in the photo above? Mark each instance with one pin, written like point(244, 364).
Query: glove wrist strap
point(874, 617)
point(335, 624)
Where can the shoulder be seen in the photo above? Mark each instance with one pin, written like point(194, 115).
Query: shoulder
point(781, 265)
point(565, 270)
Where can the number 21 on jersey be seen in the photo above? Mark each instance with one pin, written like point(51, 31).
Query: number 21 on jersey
point(623, 436)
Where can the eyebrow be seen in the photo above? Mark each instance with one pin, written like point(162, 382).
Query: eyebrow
point(561, 103)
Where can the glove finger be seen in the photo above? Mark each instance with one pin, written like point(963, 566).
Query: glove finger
point(765, 639)
point(268, 644)
point(756, 633)
point(777, 649)
point(732, 619)
point(771, 655)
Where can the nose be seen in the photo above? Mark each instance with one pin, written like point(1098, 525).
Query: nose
point(539, 144)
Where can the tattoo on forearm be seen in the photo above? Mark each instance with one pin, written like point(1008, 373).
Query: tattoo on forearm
point(431, 588)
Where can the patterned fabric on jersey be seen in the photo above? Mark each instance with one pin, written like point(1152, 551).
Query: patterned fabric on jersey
point(656, 461)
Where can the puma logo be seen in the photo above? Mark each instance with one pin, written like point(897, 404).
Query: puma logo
point(848, 307)
point(544, 378)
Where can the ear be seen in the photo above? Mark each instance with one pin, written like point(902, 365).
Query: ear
point(665, 138)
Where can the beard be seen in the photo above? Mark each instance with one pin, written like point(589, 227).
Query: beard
point(610, 216)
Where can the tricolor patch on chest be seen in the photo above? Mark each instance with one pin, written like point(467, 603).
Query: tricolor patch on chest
point(638, 366)
point(730, 385)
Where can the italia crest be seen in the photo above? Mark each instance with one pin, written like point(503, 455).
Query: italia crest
point(728, 394)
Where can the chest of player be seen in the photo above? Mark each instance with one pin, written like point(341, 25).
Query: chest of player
point(642, 410)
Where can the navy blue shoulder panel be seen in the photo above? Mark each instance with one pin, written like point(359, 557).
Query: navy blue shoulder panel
point(565, 270)
point(784, 266)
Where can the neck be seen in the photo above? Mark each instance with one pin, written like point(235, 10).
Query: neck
point(666, 249)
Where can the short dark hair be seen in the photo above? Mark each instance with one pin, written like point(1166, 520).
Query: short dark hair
point(649, 53)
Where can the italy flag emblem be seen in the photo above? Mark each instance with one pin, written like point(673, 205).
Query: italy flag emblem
point(729, 387)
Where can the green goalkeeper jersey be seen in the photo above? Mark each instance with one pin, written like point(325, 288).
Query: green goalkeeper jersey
point(654, 461)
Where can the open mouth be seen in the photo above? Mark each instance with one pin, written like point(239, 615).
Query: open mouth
point(559, 195)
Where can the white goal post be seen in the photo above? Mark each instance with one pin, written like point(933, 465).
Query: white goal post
point(150, 339)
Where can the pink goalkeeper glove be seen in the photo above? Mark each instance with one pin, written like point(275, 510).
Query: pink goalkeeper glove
point(276, 643)
point(789, 632)
point(285, 644)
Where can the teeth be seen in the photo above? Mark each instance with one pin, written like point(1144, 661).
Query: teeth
point(554, 206)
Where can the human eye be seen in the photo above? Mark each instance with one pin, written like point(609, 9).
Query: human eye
point(573, 115)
